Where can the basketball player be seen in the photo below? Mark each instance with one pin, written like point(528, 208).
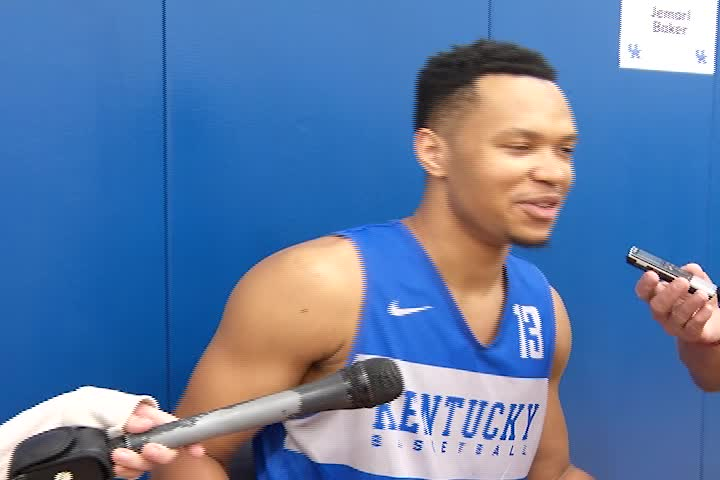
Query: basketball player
point(692, 319)
point(480, 335)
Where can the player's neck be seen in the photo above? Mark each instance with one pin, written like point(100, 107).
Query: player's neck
point(464, 260)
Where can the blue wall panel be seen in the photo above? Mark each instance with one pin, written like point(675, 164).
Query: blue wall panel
point(711, 405)
point(81, 250)
point(288, 120)
point(631, 408)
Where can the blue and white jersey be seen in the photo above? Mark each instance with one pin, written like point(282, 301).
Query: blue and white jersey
point(469, 411)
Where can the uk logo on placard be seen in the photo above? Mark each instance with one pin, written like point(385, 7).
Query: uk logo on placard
point(530, 331)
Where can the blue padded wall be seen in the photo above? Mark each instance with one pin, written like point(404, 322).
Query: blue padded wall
point(81, 199)
point(291, 127)
point(710, 434)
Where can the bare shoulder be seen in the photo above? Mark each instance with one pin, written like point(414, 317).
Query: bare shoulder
point(297, 298)
point(325, 269)
point(326, 258)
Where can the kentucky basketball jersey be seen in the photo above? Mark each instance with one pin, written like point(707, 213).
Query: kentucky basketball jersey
point(469, 411)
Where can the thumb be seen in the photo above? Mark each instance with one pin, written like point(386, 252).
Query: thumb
point(138, 424)
point(660, 287)
point(696, 270)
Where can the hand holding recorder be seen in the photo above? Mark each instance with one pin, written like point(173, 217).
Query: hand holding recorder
point(682, 300)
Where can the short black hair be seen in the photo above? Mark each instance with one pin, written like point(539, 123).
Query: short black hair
point(447, 78)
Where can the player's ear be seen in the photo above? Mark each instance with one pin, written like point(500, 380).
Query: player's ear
point(431, 152)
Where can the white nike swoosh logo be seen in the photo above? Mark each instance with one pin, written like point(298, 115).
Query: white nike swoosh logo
point(395, 310)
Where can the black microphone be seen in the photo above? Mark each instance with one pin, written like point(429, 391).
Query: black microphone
point(364, 384)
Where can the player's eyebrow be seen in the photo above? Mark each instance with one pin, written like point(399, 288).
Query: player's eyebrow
point(572, 137)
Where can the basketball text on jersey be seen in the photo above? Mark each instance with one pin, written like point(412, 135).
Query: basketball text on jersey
point(469, 425)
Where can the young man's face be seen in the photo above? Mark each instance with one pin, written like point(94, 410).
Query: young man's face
point(510, 159)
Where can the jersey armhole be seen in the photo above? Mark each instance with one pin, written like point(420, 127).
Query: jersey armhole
point(353, 352)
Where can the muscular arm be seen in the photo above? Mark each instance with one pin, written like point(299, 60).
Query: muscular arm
point(279, 324)
point(552, 461)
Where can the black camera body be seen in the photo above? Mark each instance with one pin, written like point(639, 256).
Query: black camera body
point(64, 453)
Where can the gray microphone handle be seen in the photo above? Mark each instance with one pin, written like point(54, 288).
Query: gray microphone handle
point(243, 416)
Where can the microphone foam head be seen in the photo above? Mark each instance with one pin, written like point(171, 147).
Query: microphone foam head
point(374, 381)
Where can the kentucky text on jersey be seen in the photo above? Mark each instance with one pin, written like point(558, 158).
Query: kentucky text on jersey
point(499, 419)
point(475, 426)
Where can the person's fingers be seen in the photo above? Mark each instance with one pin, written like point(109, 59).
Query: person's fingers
point(661, 286)
point(155, 414)
point(138, 424)
point(196, 450)
point(646, 287)
point(696, 270)
point(663, 303)
point(145, 417)
point(122, 472)
point(694, 327)
point(124, 458)
point(683, 311)
point(159, 454)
